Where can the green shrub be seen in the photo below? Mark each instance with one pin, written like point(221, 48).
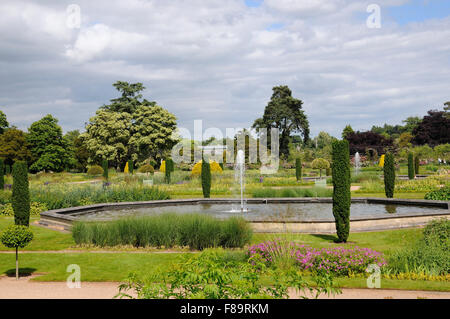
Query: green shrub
point(196, 231)
point(16, 236)
point(105, 167)
point(169, 168)
point(440, 194)
point(437, 232)
point(411, 170)
point(298, 169)
point(2, 174)
point(389, 175)
point(8, 170)
point(20, 198)
point(35, 209)
point(131, 166)
point(147, 169)
point(341, 188)
point(95, 170)
point(206, 179)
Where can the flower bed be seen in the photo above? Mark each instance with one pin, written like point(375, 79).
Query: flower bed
point(337, 260)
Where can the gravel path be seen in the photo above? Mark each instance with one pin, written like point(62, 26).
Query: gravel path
point(10, 288)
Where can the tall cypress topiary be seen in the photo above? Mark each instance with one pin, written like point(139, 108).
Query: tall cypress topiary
point(298, 169)
point(416, 165)
point(341, 188)
point(206, 179)
point(411, 171)
point(20, 194)
point(105, 166)
point(2, 174)
point(170, 167)
point(130, 166)
point(8, 170)
point(389, 175)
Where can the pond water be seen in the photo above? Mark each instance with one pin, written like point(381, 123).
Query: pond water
point(273, 212)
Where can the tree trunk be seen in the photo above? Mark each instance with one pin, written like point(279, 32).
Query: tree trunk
point(17, 263)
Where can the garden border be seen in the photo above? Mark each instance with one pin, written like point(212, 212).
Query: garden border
point(59, 219)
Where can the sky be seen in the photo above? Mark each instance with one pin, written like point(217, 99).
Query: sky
point(218, 60)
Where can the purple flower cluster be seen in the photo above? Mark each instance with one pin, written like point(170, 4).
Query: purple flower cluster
point(337, 260)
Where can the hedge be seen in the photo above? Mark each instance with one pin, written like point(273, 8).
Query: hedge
point(389, 175)
point(21, 194)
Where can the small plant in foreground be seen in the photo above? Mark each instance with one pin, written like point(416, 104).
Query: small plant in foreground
point(440, 194)
point(16, 236)
point(211, 276)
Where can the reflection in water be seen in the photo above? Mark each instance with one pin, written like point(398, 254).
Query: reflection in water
point(391, 209)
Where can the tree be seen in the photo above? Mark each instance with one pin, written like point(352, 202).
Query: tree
point(70, 139)
point(285, 113)
point(320, 164)
point(298, 169)
point(14, 147)
point(206, 178)
point(416, 165)
point(447, 109)
point(341, 188)
point(169, 168)
point(107, 136)
point(404, 140)
point(2, 174)
point(347, 130)
point(48, 148)
point(20, 198)
point(16, 236)
point(3, 122)
point(105, 166)
point(389, 175)
point(433, 130)
point(442, 151)
point(411, 170)
point(130, 128)
point(361, 141)
point(131, 166)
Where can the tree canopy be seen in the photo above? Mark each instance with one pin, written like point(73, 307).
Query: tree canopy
point(285, 113)
point(13, 146)
point(362, 141)
point(433, 130)
point(3, 122)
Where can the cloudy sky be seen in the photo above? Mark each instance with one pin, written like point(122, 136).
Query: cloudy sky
point(217, 60)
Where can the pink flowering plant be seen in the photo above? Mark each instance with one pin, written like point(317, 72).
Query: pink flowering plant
point(340, 261)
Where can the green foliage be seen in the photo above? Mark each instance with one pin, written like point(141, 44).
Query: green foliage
point(429, 255)
point(170, 167)
point(214, 275)
point(95, 170)
point(13, 146)
point(3, 122)
point(16, 236)
point(206, 179)
point(292, 192)
point(440, 194)
point(2, 174)
point(147, 168)
point(298, 169)
point(195, 231)
point(411, 170)
point(35, 209)
point(347, 130)
point(64, 197)
point(389, 175)
point(20, 194)
point(131, 166)
point(285, 113)
point(341, 188)
point(48, 148)
point(105, 167)
point(320, 164)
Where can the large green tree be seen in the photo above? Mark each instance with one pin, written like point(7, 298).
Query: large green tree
point(3, 122)
point(14, 147)
point(285, 113)
point(48, 148)
point(129, 128)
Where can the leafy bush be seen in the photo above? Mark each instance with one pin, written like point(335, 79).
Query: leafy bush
point(341, 188)
point(195, 231)
point(211, 276)
point(95, 170)
point(197, 169)
point(320, 164)
point(429, 255)
point(389, 175)
point(337, 260)
point(20, 198)
point(35, 209)
point(441, 194)
point(146, 169)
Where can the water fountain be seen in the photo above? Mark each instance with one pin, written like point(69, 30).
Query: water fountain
point(239, 178)
point(357, 163)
